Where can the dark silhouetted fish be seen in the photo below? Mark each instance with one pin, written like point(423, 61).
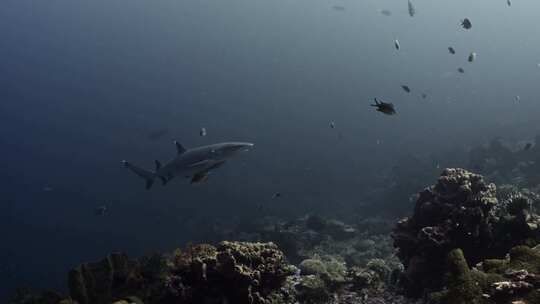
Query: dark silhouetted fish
point(202, 132)
point(424, 95)
point(195, 163)
point(472, 57)
point(509, 2)
point(527, 146)
point(157, 134)
point(384, 107)
point(100, 210)
point(451, 50)
point(332, 124)
point(396, 44)
point(386, 12)
point(461, 70)
point(466, 24)
point(406, 88)
point(412, 10)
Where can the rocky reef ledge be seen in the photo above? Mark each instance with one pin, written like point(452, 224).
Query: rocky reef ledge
point(467, 242)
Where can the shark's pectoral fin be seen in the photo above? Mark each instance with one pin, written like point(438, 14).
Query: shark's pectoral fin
point(200, 177)
point(207, 164)
point(201, 163)
point(149, 183)
point(216, 165)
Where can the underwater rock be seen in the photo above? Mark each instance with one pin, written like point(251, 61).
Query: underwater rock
point(236, 271)
point(508, 280)
point(329, 269)
point(461, 287)
point(380, 267)
point(339, 230)
point(362, 278)
point(460, 211)
point(454, 213)
point(312, 289)
point(24, 296)
point(375, 225)
point(316, 223)
point(312, 267)
point(99, 283)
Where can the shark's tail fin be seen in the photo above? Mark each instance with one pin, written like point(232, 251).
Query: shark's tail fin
point(147, 175)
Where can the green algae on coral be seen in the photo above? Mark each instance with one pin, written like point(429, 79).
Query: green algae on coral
point(461, 287)
point(329, 269)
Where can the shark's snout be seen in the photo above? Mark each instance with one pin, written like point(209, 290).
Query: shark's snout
point(243, 146)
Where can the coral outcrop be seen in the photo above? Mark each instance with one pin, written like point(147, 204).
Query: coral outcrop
point(454, 213)
point(239, 272)
point(461, 211)
point(98, 283)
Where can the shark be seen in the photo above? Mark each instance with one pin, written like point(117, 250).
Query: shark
point(195, 163)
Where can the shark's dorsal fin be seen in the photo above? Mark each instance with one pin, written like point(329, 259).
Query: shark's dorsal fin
point(158, 165)
point(179, 148)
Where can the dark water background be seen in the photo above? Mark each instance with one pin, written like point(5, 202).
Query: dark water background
point(83, 84)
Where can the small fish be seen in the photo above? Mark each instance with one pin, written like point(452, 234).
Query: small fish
point(384, 107)
point(424, 95)
point(461, 70)
point(379, 141)
point(100, 210)
point(276, 195)
point(466, 24)
point(472, 57)
point(338, 8)
point(332, 125)
point(527, 146)
point(396, 44)
point(451, 50)
point(406, 88)
point(509, 2)
point(386, 12)
point(412, 10)
point(202, 132)
point(517, 99)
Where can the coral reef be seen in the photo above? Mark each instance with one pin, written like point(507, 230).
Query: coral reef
point(339, 265)
point(114, 277)
point(460, 211)
point(508, 163)
point(238, 272)
point(24, 296)
point(514, 279)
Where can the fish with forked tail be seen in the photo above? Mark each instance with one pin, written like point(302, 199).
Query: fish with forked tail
point(195, 163)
